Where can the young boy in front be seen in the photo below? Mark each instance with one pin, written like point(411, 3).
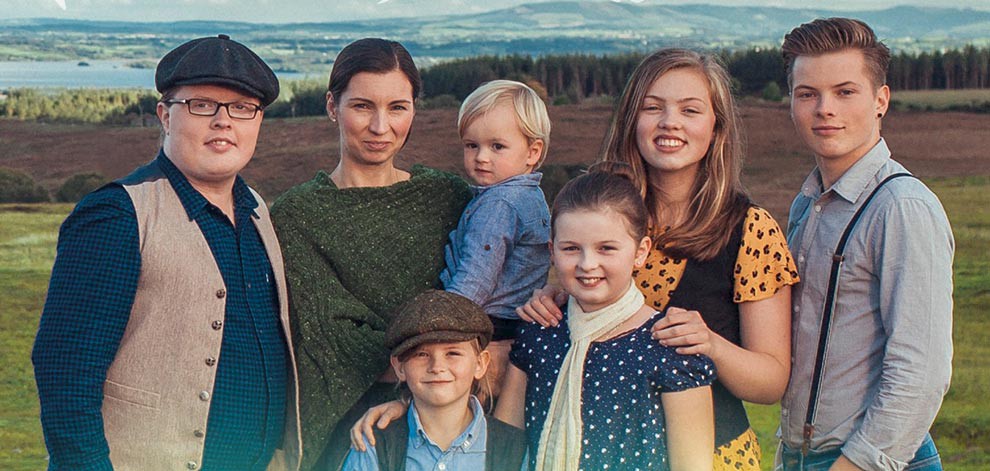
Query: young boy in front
point(890, 343)
point(438, 341)
point(497, 256)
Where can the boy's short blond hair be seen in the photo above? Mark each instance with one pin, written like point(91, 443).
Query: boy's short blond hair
point(531, 112)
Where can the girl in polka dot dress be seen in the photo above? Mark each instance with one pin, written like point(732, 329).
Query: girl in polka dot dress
point(596, 391)
point(720, 267)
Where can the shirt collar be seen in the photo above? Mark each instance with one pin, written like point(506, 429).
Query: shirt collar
point(525, 179)
point(473, 436)
point(193, 201)
point(854, 182)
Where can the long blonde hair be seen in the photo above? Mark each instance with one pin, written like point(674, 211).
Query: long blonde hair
point(719, 201)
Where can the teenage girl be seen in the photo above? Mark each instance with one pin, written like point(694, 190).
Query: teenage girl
point(599, 391)
point(719, 265)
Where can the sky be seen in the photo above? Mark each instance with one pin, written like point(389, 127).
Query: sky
point(289, 11)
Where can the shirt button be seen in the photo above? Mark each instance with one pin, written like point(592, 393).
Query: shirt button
point(801, 258)
point(211, 361)
point(441, 466)
point(204, 395)
point(797, 308)
point(818, 208)
point(191, 465)
point(221, 293)
point(198, 433)
point(217, 325)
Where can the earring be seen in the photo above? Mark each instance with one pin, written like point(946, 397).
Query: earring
point(879, 115)
point(333, 119)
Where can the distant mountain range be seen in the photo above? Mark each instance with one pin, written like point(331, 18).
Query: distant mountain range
point(534, 29)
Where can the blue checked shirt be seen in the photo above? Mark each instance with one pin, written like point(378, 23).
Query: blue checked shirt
point(498, 255)
point(92, 288)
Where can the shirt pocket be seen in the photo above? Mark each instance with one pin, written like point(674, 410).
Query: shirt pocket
point(130, 395)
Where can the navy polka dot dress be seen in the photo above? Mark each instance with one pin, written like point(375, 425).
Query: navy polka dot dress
point(623, 379)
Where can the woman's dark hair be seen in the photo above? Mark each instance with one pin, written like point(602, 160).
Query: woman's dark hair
point(375, 55)
point(607, 185)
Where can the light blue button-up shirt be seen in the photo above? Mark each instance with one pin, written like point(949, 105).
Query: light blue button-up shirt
point(890, 348)
point(498, 255)
point(466, 452)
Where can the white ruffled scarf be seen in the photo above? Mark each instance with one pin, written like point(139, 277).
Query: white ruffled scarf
point(560, 441)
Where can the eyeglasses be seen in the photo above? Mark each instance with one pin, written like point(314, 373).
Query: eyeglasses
point(202, 107)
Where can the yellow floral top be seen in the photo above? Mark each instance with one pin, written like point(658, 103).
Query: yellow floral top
point(763, 265)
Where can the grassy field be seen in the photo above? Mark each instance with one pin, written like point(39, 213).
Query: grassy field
point(962, 431)
point(940, 99)
point(27, 249)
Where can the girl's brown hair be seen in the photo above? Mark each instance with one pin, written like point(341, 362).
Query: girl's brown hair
point(719, 202)
point(606, 185)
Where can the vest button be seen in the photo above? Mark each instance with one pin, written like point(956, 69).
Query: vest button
point(211, 361)
point(198, 433)
point(221, 293)
point(204, 395)
point(191, 465)
point(217, 325)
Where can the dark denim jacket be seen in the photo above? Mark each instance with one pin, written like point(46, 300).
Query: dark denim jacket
point(499, 254)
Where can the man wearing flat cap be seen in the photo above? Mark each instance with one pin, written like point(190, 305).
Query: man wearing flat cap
point(164, 341)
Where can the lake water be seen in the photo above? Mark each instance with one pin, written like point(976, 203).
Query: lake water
point(68, 74)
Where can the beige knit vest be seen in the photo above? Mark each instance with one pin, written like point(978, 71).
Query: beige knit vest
point(158, 390)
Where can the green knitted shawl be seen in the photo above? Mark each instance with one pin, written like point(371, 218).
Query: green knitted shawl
point(352, 256)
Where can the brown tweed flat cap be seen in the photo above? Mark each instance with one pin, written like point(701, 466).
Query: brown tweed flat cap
point(437, 317)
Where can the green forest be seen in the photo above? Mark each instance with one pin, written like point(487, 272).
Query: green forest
point(562, 79)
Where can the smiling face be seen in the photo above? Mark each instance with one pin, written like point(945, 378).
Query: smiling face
point(208, 150)
point(495, 149)
point(835, 107)
point(594, 255)
point(375, 113)
point(675, 123)
point(441, 375)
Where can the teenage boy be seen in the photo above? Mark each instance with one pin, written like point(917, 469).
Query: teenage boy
point(889, 349)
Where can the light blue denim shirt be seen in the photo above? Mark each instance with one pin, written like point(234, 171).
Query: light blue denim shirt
point(498, 253)
point(467, 451)
point(890, 348)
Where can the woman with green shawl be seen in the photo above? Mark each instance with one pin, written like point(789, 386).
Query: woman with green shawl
point(358, 242)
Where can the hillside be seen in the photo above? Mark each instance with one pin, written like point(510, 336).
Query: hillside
point(534, 29)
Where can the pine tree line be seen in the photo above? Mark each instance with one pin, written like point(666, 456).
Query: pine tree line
point(561, 79)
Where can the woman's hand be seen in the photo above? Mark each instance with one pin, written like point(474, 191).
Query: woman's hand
point(543, 307)
point(687, 331)
point(380, 416)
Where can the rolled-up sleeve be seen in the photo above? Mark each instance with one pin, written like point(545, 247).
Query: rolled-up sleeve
point(90, 294)
point(488, 236)
point(914, 268)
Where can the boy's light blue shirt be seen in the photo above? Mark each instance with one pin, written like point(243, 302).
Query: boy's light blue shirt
point(498, 253)
point(467, 451)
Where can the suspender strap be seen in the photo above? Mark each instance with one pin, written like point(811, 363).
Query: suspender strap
point(830, 295)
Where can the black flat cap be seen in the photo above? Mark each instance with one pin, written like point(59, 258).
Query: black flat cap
point(217, 61)
point(437, 317)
